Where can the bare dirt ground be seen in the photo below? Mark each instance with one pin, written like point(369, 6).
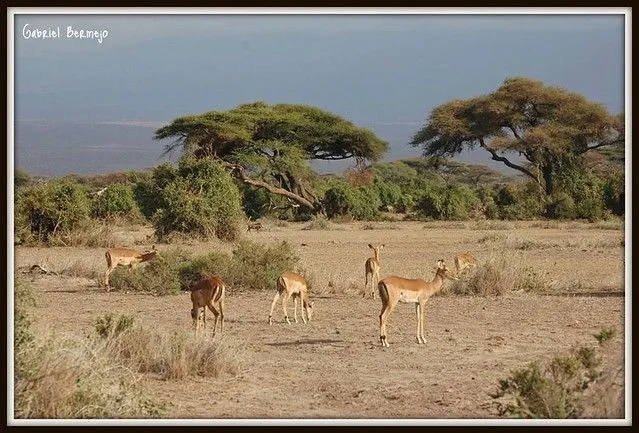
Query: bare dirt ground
point(334, 366)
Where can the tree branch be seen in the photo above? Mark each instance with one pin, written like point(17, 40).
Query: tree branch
point(505, 160)
point(239, 171)
point(604, 143)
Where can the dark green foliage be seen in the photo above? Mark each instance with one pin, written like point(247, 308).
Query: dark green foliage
point(361, 203)
point(448, 203)
point(613, 192)
point(519, 201)
point(583, 187)
point(117, 200)
point(50, 209)
point(271, 145)
point(160, 276)
point(251, 265)
point(202, 200)
point(257, 266)
point(213, 263)
point(543, 124)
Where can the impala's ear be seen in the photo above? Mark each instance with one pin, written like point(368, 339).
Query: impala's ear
point(382, 246)
point(370, 246)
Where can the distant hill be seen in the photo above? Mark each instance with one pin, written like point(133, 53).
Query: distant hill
point(59, 148)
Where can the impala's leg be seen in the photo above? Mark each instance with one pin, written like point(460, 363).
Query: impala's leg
point(366, 284)
point(422, 318)
point(284, 301)
point(215, 313)
point(106, 278)
point(295, 298)
point(374, 283)
point(303, 309)
point(270, 316)
point(383, 317)
point(418, 319)
point(221, 316)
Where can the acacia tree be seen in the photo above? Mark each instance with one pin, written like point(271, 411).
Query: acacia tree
point(550, 127)
point(270, 146)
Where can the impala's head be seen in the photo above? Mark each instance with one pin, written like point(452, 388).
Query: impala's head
point(309, 309)
point(196, 314)
point(444, 272)
point(150, 254)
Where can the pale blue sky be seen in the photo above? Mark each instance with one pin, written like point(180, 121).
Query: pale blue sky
point(385, 72)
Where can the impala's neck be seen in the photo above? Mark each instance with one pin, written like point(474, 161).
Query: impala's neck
point(376, 254)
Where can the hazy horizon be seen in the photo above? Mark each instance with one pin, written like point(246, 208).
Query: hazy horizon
point(82, 105)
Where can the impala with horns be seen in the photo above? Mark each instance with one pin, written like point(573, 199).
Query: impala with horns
point(209, 292)
point(395, 289)
point(125, 257)
point(290, 284)
point(371, 270)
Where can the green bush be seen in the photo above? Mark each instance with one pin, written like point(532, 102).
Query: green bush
point(519, 201)
point(251, 265)
point(555, 390)
point(213, 263)
point(117, 200)
point(46, 210)
point(561, 206)
point(361, 203)
point(448, 203)
point(160, 276)
point(613, 191)
point(257, 266)
point(585, 189)
point(201, 201)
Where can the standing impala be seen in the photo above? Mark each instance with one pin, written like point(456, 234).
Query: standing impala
point(290, 284)
point(371, 268)
point(208, 292)
point(464, 261)
point(397, 289)
point(125, 257)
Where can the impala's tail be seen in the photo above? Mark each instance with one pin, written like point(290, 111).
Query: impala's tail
point(107, 255)
point(281, 284)
point(383, 291)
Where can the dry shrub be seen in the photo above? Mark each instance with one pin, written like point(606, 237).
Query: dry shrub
point(92, 234)
point(498, 276)
point(64, 378)
point(492, 225)
point(584, 383)
point(319, 222)
point(176, 356)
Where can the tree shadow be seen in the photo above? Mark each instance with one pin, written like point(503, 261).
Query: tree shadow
point(298, 342)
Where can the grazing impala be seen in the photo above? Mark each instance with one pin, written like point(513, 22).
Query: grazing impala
point(208, 292)
point(290, 284)
point(371, 268)
point(397, 289)
point(464, 261)
point(125, 257)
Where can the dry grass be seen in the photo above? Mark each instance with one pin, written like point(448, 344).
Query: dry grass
point(175, 356)
point(73, 378)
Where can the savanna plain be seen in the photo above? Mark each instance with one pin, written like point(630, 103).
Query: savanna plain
point(564, 282)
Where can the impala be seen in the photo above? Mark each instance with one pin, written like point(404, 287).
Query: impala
point(290, 284)
point(464, 261)
point(208, 292)
point(371, 268)
point(125, 257)
point(397, 289)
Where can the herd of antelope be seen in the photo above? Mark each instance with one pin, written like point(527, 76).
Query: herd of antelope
point(209, 292)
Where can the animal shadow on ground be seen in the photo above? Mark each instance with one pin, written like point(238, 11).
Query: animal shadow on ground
point(296, 342)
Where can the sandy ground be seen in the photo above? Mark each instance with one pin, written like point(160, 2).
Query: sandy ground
point(334, 366)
